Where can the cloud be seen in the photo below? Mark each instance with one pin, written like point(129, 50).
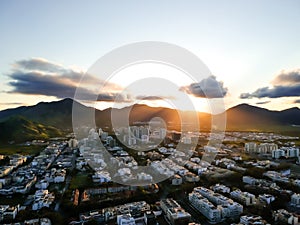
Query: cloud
point(289, 77)
point(41, 65)
point(206, 88)
point(262, 103)
point(297, 101)
point(114, 97)
point(285, 84)
point(41, 77)
point(11, 103)
point(275, 92)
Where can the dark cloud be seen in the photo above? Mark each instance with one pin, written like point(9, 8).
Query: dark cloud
point(275, 92)
point(152, 97)
point(290, 77)
point(297, 101)
point(39, 64)
point(262, 103)
point(285, 84)
point(41, 77)
point(206, 88)
point(114, 97)
point(36, 83)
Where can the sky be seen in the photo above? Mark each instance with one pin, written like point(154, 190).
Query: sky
point(252, 49)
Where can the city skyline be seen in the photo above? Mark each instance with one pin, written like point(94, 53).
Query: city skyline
point(252, 50)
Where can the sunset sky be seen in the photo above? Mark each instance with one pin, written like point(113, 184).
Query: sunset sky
point(252, 49)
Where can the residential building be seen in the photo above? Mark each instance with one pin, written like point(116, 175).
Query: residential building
point(191, 177)
point(174, 213)
point(251, 220)
point(101, 177)
point(266, 148)
point(176, 180)
point(42, 198)
point(266, 198)
point(214, 206)
point(276, 154)
point(125, 219)
point(295, 199)
point(5, 170)
point(292, 152)
point(40, 221)
point(285, 217)
point(8, 212)
point(203, 205)
point(250, 147)
point(220, 188)
point(150, 218)
point(245, 198)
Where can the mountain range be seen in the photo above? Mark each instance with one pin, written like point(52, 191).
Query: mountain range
point(48, 119)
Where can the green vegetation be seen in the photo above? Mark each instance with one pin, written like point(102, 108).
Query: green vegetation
point(20, 149)
point(55, 217)
point(80, 181)
point(18, 129)
point(12, 200)
point(295, 169)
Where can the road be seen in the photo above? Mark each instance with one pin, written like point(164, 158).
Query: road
point(67, 184)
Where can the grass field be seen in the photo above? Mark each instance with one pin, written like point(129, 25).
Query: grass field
point(295, 169)
point(19, 149)
point(81, 180)
point(12, 200)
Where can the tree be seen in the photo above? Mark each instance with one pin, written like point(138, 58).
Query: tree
point(91, 222)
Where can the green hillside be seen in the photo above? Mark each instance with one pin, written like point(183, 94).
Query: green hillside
point(19, 129)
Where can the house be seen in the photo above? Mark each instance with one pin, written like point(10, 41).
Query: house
point(285, 217)
point(266, 198)
point(176, 180)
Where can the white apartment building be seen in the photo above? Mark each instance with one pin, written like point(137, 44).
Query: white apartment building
point(215, 207)
point(174, 213)
point(249, 180)
point(263, 148)
point(250, 147)
point(245, 198)
point(285, 217)
point(220, 188)
point(292, 152)
point(266, 148)
point(42, 198)
point(295, 199)
point(266, 198)
point(211, 212)
point(248, 220)
point(125, 219)
point(276, 154)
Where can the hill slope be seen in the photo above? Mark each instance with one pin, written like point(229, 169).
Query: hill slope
point(57, 114)
point(19, 129)
point(247, 117)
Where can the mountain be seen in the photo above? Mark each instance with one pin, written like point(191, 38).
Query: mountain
point(242, 117)
point(248, 117)
point(57, 114)
point(19, 129)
